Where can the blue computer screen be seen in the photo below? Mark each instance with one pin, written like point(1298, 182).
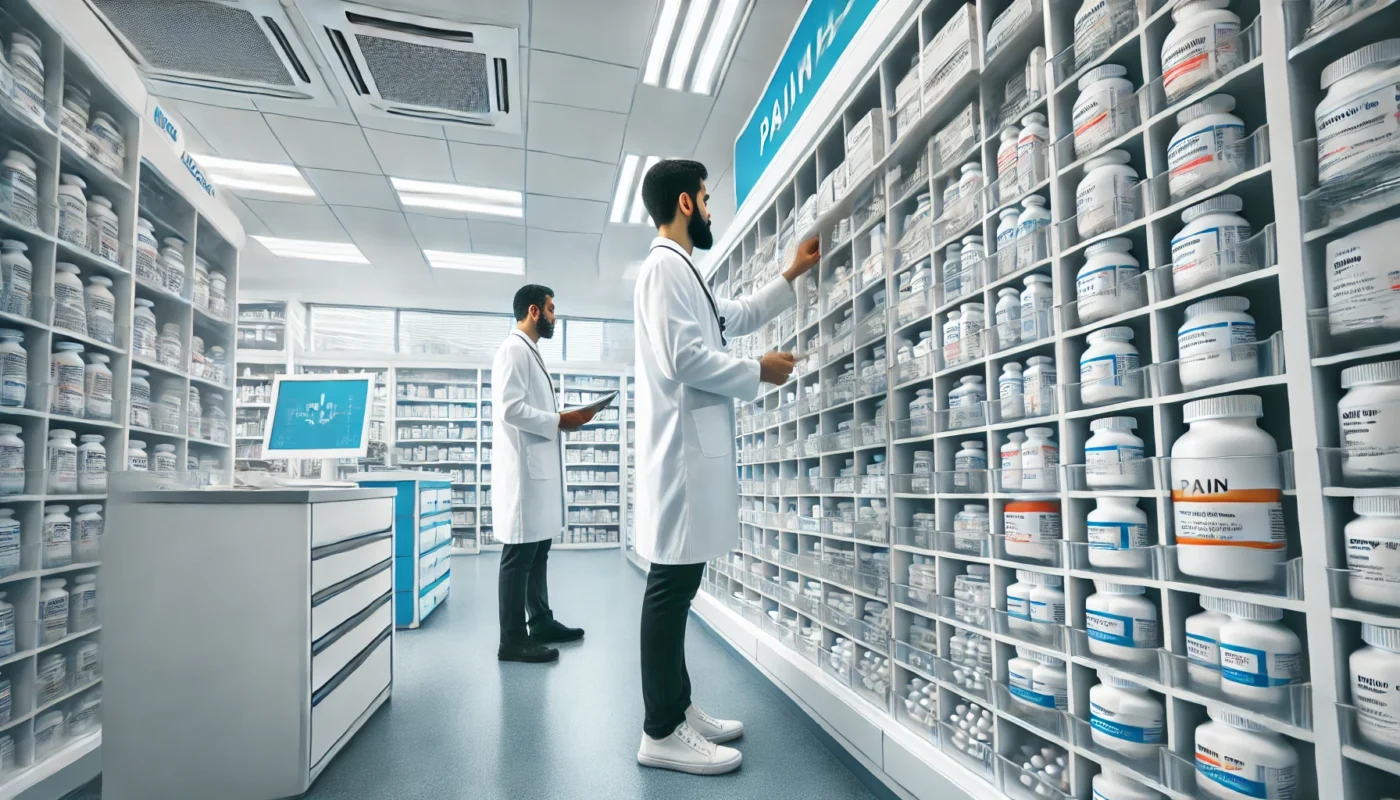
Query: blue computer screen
point(327, 414)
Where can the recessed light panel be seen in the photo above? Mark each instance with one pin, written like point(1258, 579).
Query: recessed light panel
point(342, 252)
point(255, 176)
point(458, 197)
point(693, 43)
point(476, 262)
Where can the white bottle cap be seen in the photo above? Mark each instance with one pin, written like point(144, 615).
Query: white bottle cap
point(924, 454)
point(1387, 505)
point(88, 438)
point(1010, 211)
point(1010, 132)
point(1233, 719)
point(99, 200)
point(1033, 200)
point(99, 280)
point(1215, 104)
point(1045, 361)
point(973, 445)
point(1120, 682)
point(66, 267)
point(136, 444)
point(1034, 118)
point(144, 303)
point(1384, 50)
point(1380, 636)
point(1235, 405)
point(1113, 424)
point(1036, 278)
point(90, 509)
point(954, 314)
point(968, 380)
point(1108, 159)
point(1042, 433)
point(971, 166)
point(6, 430)
point(98, 358)
point(973, 508)
point(1119, 243)
point(62, 433)
point(87, 577)
point(1121, 333)
point(1042, 579)
point(979, 570)
point(1023, 576)
point(1225, 202)
point(1359, 375)
point(1254, 612)
point(1017, 437)
point(72, 180)
point(1215, 305)
point(1011, 366)
point(1009, 292)
point(1109, 587)
point(14, 245)
point(977, 308)
point(972, 241)
point(1044, 658)
point(1101, 73)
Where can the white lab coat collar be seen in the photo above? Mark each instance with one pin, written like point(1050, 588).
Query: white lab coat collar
point(526, 337)
point(670, 244)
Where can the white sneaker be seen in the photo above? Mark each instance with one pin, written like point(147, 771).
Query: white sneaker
point(685, 750)
point(716, 730)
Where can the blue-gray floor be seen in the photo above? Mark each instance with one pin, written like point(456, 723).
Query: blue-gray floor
point(463, 725)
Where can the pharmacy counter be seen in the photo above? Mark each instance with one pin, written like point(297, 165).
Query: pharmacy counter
point(249, 635)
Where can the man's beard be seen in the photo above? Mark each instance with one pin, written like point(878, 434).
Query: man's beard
point(700, 234)
point(544, 328)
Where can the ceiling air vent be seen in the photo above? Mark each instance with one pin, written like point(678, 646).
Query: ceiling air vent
point(410, 66)
point(186, 47)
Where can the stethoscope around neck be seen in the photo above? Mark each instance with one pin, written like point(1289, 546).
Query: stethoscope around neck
point(714, 308)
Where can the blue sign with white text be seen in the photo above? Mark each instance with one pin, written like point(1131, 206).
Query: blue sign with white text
point(821, 36)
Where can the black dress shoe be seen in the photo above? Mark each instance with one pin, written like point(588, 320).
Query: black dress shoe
point(528, 652)
point(552, 632)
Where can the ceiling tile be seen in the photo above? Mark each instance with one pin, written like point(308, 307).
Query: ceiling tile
point(436, 233)
point(556, 78)
point(352, 188)
point(252, 225)
point(616, 31)
point(546, 173)
point(577, 132)
point(484, 165)
point(323, 144)
point(373, 224)
point(193, 94)
point(563, 214)
point(565, 255)
point(411, 156)
point(408, 127)
point(498, 238)
point(665, 122)
point(297, 221)
point(305, 110)
point(234, 133)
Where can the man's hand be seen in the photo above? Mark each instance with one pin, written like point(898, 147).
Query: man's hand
point(775, 368)
point(573, 420)
point(808, 254)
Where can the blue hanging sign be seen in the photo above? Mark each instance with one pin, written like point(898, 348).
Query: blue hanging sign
point(821, 36)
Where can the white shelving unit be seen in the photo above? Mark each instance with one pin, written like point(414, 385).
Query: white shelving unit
point(793, 446)
point(438, 415)
point(595, 464)
point(266, 343)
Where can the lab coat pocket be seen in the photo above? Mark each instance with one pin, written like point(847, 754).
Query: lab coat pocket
point(539, 460)
point(712, 430)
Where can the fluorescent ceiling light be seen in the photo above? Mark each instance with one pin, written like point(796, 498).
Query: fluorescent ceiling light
point(625, 177)
point(639, 209)
point(708, 66)
point(661, 42)
point(342, 252)
point(699, 48)
point(685, 46)
point(478, 262)
point(255, 176)
point(457, 197)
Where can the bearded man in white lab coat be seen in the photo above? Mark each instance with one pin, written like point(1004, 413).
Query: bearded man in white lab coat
point(527, 487)
point(687, 487)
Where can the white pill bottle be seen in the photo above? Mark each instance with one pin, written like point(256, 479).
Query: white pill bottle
point(1204, 45)
point(1211, 244)
point(1373, 550)
point(1356, 120)
point(1375, 685)
point(1363, 280)
point(1207, 148)
point(1239, 759)
point(1105, 109)
point(1227, 492)
point(1369, 421)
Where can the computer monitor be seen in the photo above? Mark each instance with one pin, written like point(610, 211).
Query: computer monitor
point(319, 416)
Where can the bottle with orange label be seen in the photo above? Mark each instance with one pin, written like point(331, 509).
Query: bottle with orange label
point(1227, 492)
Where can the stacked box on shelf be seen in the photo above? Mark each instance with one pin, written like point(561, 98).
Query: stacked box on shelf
point(593, 509)
point(422, 542)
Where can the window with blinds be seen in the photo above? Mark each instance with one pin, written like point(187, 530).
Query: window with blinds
point(352, 328)
point(447, 333)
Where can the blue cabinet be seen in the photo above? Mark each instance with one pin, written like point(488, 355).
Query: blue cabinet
point(422, 542)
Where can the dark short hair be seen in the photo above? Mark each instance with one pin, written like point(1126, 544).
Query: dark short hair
point(664, 184)
point(531, 294)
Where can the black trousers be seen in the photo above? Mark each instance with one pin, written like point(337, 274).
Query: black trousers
point(665, 609)
point(524, 587)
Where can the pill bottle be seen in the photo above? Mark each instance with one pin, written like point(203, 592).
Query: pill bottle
point(53, 604)
point(1106, 107)
point(82, 602)
point(973, 254)
point(85, 662)
point(140, 399)
point(1117, 534)
point(172, 264)
point(1373, 550)
point(1259, 656)
point(970, 185)
point(1369, 415)
point(1207, 148)
point(97, 386)
point(100, 307)
point(1202, 46)
point(1109, 283)
point(1112, 785)
point(136, 460)
point(1114, 457)
point(83, 717)
point(1375, 685)
point(105, 141)
point(102, 230)
point(1007, 185)
point(52, 673)
point(1124, 717)
point(1203, 641)
point(923, 462)
point(72, 209)
point(218, 293)
point(1037, 300)
point(164, 459)
point(147, 252)
point(1361, 292)
point(17, 275)
point(1211, 245)
point(1216, 343)
point(970, 527)
point(1227, 492)
point(1032, 529)
point(66, 371)
point(1011, 461)
point(1018, 601)
point(1237, 758)
point(87, 537)
point(1020, 676)
point(1007, 229)
point(69, 306)
point(965, 402)
point(1011, 390)
point(1008, 317)
point(7, 624)
point(970, 324)
point(10, 543)
point(20, 174)
point(1109, 371)
point(1356, 132)
point(62, 457)
point(1121, 622)
point(1032, 238)
point(169, 347)
point(949, 198)
point(952, 330)
point(967, 462)
point(49, 734)
point(921, 413)
point(92, 464)
point(27, 64)
point(1040, 461)
point(216, 422)
point(144, 337)
point(1040, 377)
point(11, 460)
point(1032, 152)
point(1106, 197)
point(165, 411)
point(1047, 599)
point(74, 122)
point(1049, 684)
point(14, 369)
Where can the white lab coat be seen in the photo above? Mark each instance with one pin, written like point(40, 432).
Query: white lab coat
point(527, 468)
point(687, 504)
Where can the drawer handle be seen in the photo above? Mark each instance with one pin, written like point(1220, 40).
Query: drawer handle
point(353, 543)
point(333, 635)
point(348, 669)
point(336, 588)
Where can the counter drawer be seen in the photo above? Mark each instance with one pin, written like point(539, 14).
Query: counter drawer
point(349, 558)
point(347, 641)
point(334, 711)
point(348, 598)
point(334, 522)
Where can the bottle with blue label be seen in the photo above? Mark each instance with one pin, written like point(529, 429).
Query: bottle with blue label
point(1125, 717)
point(1118, 535)
point(1121, 623)
point(1239, 759)
point(1259, 655)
